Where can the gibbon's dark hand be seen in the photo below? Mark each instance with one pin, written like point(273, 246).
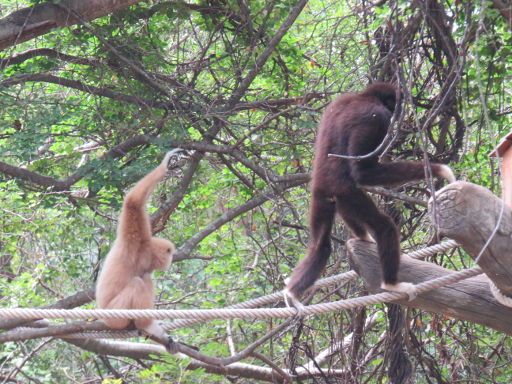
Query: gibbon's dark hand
point(176, 158)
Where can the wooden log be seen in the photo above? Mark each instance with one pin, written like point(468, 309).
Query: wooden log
point(469, 299)
point(469, 214)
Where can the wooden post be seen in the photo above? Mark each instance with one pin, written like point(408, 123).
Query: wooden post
point(504, 150)
point(469, 214)
point(468, 299)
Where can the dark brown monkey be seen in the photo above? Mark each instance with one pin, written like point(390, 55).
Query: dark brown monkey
point(355, 125)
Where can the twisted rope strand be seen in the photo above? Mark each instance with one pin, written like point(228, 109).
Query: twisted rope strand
point(232, 313)
point(264, 300)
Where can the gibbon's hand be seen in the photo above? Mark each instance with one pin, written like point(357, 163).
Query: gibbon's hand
point(171, 158)
point(175, 158)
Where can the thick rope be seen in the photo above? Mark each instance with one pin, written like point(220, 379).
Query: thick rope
point(232, 313)
point(264, 300)
point(499, 296)
point(322, 283)
point(433, 249)
point(228, 313)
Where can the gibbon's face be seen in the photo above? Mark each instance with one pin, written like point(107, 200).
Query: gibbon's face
point(162, 251)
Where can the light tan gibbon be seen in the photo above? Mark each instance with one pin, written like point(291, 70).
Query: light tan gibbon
point(125, 280)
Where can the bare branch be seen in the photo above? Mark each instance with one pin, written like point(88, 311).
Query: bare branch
point(505, 10)
point(48, 52)
point(262, 59)
point(186, 248)
point(32, 177)
point(150, 351)
point(75, 300)
point(18, 334)
point(104, 92)
point(272, 105)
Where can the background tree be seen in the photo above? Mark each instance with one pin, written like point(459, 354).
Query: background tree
point(90, 98)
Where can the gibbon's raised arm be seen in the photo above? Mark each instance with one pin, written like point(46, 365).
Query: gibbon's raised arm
point(125, 280)
point(355, 124)
point(134, 224)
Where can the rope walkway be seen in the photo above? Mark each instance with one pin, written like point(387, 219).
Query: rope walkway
point(246, 310)
point(263, 300)
point(499, 296)
point(322, 283)
point(233, 313)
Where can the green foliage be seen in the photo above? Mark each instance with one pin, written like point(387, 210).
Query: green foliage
point(198, 53)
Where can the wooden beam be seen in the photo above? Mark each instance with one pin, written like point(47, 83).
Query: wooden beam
point(469, 299)
point(469, 213)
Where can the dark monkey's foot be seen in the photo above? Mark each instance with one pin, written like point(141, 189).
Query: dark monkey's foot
point(408, 288)
point(292, 301)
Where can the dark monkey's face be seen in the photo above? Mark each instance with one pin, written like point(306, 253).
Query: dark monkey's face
point(385, 92)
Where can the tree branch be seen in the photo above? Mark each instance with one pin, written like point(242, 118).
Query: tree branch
point(140, 351)
point(186, 248)
point(505, 11)
point(65, 184)
point(48, 52)
point(28, 23)
point(272, 105)
point(32, 177)
point(75, 300)
point(262, 59)
point(104, 92)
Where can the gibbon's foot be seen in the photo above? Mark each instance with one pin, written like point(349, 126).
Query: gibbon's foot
point(291, 301)
point(143, 334)
point(408, 288)
point(171, 346)
point(447, 173)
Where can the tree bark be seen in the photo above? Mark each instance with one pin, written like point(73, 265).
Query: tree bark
point(469, 214)
point(30, 22)
point(468, 299)
point(150, 351)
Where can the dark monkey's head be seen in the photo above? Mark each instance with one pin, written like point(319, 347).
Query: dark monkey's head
point(385, 92)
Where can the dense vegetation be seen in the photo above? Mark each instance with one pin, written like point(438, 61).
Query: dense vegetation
point(86, 110)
